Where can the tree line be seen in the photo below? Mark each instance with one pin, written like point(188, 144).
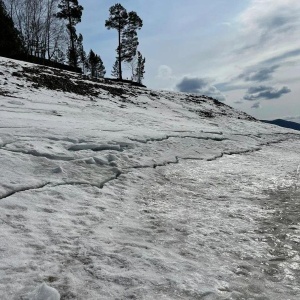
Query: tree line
point(47, 29)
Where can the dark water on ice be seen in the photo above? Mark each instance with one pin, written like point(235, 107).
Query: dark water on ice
point(243, 230)
point(282, 231)
point(276, 275)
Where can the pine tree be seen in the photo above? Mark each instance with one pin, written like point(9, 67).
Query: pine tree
point(118, 20)
point(71, 11)
point(129, 37)
point(115, 70)
point(140, 68)
point(100, 69)
point(80, 50)
point(127, 25)
point(11, 43)
point(95, 65)
point(91, 62)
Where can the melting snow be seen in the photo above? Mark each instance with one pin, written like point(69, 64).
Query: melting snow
point(118, 192)
point(44, 292)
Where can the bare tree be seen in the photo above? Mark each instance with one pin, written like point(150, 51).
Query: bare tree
point(42, 32)
point(55, 34)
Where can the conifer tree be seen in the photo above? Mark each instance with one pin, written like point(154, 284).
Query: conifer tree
point(100, 69)
point(127, 25)
point(115, 69)
point(129, 37)
point(117, 20)
point(11, 43)
point(92, 63)
point(140, 67)
point(95, 65)
point(71, 11)
point(80, 50)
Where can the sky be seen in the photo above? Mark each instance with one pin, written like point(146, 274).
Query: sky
point(243, 52)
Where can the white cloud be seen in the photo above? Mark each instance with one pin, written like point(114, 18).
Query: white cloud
point(266, 22)
point(165, 72)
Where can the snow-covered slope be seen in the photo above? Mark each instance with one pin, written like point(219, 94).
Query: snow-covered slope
point(111, 191)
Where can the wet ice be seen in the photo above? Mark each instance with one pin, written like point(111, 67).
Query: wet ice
point(144, 201)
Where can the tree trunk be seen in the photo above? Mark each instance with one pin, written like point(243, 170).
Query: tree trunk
point(72, 38)
point(120, 59)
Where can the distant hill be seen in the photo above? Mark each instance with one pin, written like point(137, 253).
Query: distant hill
point(284, 123)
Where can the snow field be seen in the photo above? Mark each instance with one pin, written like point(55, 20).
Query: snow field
point(140, 196)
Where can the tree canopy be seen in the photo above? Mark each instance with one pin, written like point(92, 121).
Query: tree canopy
point(140, 67)
point(95, 65)
point(47, 29)
point(126, 25)
point(71, 11)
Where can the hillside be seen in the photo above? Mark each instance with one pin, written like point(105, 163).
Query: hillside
point(284, 123)
point(113, 191)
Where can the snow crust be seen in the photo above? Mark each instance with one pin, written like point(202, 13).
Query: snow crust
point(44, 292)
point(129, 193)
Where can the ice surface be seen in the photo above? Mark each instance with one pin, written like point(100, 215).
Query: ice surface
point(45, 292)
point(126, 193)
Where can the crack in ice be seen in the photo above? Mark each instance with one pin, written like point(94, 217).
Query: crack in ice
point(24, 189)
point(180, 137)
